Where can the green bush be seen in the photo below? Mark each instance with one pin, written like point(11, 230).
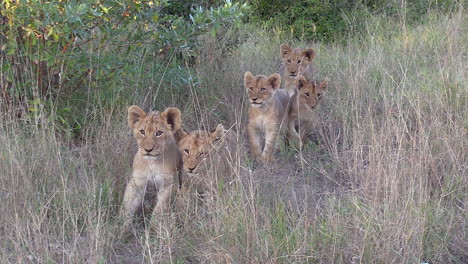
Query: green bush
point(308, 19)
point(71, 59)
point(328, 20)
point(182, 8)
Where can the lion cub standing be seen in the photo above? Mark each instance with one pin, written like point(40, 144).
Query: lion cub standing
point(208, 158)
point(157, 161)
point(296, 62)
point(305, 99)
point(268, 112)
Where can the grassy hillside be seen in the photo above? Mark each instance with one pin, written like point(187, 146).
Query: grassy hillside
point(385, 181)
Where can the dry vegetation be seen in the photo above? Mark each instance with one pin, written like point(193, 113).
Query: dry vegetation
point(384, 181)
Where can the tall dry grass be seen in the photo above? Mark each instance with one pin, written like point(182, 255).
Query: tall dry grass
point(385, 182)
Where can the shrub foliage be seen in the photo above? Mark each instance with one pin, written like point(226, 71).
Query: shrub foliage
point(61, 56)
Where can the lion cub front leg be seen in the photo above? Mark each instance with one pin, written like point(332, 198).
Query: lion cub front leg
point(133, 197)
point(254, 139)
point(292, 131)
point(271, 133)
point(164, 196)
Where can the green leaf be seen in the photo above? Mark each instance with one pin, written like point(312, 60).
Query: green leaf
point(97, 13)
point(105, 9)
point(56, 37)
point(81, 9)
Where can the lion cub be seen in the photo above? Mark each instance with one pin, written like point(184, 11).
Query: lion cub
point(208, 157)
point(268, 112)
point(296, 62)
point(305, 99)
point(157, 161)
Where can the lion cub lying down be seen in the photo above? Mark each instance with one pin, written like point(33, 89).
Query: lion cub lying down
point(267, 113)
point(305, 99)
point(208, 157)
point(157, 161)
point(296, 62)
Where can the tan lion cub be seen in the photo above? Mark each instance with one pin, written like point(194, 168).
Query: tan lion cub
point(157, 161)
point(304, 101)
point(208, 157)
point(268, 112)
point(296, 62)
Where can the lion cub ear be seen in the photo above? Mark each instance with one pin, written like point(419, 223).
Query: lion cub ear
point(285, 50)
point(275, 80)
point(248, 79)
point(309, 54)
point(324, 84)
point(182, 133)
point(135, 114)
point(301, 81)
point(217, 134)
point(322, 88)
point(172, 118)
point(179, 135)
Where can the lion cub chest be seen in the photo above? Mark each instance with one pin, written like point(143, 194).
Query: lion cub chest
point(153, 171)
point(272, 113)
point(261, 120)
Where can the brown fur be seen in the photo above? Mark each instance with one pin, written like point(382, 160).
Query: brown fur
point(208, 157)
point(296, 62)
point(305, 99)
point(267, 113)
point(157, 161)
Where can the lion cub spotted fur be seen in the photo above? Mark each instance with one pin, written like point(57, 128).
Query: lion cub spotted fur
point(208, 157)
point(268, 113)
point(157, 161)
point(296, 62)
point(305, 99)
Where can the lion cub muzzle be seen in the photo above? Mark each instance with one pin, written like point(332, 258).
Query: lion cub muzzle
point(256, 102)
point(293, 73)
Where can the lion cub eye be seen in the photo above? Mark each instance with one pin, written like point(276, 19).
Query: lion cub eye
point(307, 94)
point(319, 95)
point(299, 61)
point(200, 154)
point(262, 89)
point(251, 88)
point(158, 133)
point(142, 132)
point(289, 61)
point(187, 151)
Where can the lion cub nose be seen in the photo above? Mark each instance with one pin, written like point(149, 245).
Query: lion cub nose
point(191, 169)
point(254, 99)
point(149, 150)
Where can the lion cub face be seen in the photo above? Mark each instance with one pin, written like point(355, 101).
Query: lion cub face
point(296, 60)
point(260, 88)
point(153, 131)
point(197, 146)
point(309, 92)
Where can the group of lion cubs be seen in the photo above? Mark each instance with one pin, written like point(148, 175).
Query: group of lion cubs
point(164, 147)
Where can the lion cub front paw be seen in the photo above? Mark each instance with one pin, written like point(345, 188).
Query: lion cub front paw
point(256, 154)
point(267, 157)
